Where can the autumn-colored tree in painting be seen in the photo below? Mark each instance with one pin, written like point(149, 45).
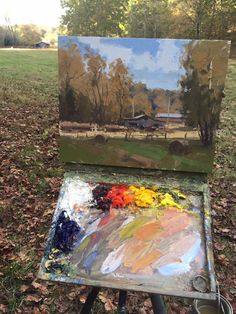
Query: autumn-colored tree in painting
point(120, 85)
point(71, 73)
point(93, 90)
point(203, 85)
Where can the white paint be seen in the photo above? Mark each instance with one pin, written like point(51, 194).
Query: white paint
point(166, 59)
point(76, 194)
point(174, 269)
point(92, 227)
point(113, 261)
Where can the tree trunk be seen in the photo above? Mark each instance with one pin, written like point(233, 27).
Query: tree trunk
point(206, 133)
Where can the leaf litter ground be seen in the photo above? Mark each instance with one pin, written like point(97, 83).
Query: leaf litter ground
point(30, 178)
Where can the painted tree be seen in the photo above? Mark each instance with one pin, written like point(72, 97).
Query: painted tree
point(71, 72)
point(202, 86)
point(142, 99)
point(120, 84)
point(96, 86)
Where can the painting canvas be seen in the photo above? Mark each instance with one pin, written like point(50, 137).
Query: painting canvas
point(140, 236)
point(144, 103)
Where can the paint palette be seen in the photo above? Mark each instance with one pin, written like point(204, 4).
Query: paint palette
point(142, 236)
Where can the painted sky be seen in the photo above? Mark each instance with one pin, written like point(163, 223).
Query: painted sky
point(155, 62)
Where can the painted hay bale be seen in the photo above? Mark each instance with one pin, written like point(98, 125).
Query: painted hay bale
point(179, 147)
point(100, 139)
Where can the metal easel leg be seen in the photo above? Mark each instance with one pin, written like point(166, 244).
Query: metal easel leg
point(157, 304)
point(90, 301)
point(122, 301)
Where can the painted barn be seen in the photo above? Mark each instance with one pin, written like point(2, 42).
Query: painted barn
point(142, 121)
point(170, 117)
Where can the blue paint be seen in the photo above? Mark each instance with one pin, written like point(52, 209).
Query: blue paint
point(67, 232)
point(89, 260)
point(174, 269)
point(192, 253)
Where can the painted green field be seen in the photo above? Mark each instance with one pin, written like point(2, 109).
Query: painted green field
point(30, 177)
point(136, 153)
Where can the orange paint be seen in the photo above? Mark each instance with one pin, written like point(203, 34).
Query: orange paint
point(173, 229)
point(105, 220)
point(133, 251)
point(145, 261)
point(148, 231)
point(128, 199)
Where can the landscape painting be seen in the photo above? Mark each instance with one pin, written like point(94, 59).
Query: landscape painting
point(144, 103)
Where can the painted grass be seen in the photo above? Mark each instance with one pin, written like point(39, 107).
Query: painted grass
point(134, 153)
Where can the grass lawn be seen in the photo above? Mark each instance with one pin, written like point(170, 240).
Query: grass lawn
point(28, 76)
point(30, 177)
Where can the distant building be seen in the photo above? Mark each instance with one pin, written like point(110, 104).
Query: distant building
point(170, 117)
point(42, 44)
point(142, 121)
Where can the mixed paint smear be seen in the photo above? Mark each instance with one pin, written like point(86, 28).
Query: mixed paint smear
point(110, 232)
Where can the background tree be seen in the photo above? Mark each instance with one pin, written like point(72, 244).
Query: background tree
point(10, 34)
point(209, 19)
point(29, 34)
point(2, 36)
point(97, 17)
point(206, 18)
point(149, 18)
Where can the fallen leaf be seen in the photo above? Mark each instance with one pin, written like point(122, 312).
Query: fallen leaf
point(24, 288)
point(109, 306)
point(3, 308)
point(33, 298)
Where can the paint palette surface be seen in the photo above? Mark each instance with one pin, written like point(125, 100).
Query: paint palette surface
point(130, 236)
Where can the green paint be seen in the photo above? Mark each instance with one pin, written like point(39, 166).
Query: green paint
point(130, 228)
point(83, 244)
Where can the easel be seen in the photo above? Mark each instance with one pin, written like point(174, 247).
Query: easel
point(134, 167)
point(157, 302)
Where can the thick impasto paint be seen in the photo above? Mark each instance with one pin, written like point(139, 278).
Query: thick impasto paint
point(146, 103)
point(140, 237)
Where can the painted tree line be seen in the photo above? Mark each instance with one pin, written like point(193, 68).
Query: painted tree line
point(91, 90)
point(209, 19)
